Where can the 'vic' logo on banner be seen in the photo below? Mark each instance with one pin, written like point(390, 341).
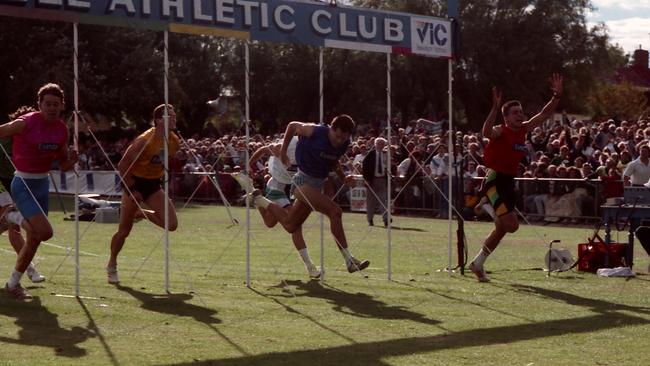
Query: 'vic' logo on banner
point(432, 33)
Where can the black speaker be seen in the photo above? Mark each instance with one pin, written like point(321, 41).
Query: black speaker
point(643, 234)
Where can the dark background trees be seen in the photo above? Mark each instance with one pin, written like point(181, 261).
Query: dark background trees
point(514, 45)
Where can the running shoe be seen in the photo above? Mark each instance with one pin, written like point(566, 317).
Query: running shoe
point(18, 292)
point(479, 272)
point(357, 265)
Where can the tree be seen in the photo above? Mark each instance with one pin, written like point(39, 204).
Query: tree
point(121, 71)
point(623, 101)
point(516, 45)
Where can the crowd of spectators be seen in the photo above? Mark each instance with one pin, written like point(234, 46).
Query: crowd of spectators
point(593, 154)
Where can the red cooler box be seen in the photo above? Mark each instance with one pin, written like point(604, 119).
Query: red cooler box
point(592, 256)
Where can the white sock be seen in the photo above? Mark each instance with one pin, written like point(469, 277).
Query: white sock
point(14, 280)
point(481, 256)
point(304, 254)
point(15, 217)
point(30, 269)
point(490, 210)
point(346, 255)
point(261, 201)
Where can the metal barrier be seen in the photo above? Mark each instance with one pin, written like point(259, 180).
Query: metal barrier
point(427, 202)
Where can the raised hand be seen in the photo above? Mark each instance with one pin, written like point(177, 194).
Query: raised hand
point(556, 85)
point(496, 98)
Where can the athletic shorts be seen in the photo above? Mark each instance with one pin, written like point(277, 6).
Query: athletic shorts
point(499, 188)
point(25, 190)
point(278, 197)
point(275, 192)
point(145, 186)
point(302, 179)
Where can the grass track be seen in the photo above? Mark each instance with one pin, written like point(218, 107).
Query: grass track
point(422, 317)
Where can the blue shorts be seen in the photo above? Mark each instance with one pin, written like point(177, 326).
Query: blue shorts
point(302, 179)
point(22, 190)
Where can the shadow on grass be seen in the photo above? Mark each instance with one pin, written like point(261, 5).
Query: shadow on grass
point(93, 326)
point(461, 300)
point(598, 306)
point(176, 305)
point(373, 353)
point(399, 228)
point(40, 327)
point(173, 304)
point(360, 304)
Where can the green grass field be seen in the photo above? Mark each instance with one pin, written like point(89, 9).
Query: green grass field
point(422, 317)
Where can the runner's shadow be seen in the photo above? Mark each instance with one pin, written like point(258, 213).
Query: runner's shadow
point(598, 306)
point(393, 227)
point(176, 305)
point(40, 327)
point(384, 352)
point(173, 304)
point(360, 304)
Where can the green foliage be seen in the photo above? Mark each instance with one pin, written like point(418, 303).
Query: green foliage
point(121, 71)
point(623, 100)
point(32, 55)
point(515, 45)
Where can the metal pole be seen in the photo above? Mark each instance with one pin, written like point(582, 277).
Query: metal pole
point(248, 209)
point(451, 154)
point(321, 119)
point(166, 160)
point(76, 147)
point(388, 164)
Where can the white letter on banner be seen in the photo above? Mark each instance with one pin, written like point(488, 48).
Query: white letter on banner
point(79, 4)
point(146, 7)
point(277, 16)
point(248, 7)
point(393, 30)
point(50, 2)
point(316, 24)
point(168, 4)
point(128, 4)
point(343, 27)
point(363, 31)
point(198, 12)
point(223, 7)
point(264, 15)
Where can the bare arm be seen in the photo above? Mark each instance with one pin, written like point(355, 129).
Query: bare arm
point(339, 171)
point(68, 158)
point(549, 108)
point(294, 129)
point(348, 180)
point(627, 174)
point(129, 157)
point(12, 128)
point(258, 154)
point(489, 131)
point(275, 149)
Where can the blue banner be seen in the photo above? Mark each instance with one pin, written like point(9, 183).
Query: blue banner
point(307, 22)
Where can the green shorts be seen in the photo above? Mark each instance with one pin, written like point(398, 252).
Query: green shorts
point(278, 197)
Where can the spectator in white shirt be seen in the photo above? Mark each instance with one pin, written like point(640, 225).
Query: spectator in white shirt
point(637, 171)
